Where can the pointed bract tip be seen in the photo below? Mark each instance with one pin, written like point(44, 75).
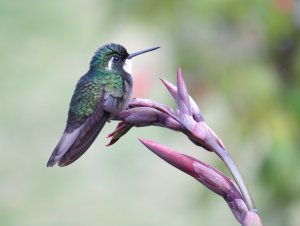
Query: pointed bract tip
point(182, 100)
point(180, 80)
point(109, 144)
point(171, 88)
point(144, 141)
point(113, 139)
point(51, 163)
point(179, 71)
point(176, 159)
point(110, 135)
point(152, 145)
point(167, 83)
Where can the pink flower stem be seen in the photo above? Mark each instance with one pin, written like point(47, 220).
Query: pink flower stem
point(228, 161)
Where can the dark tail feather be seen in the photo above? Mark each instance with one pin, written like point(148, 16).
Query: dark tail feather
point(64, 144)
point(83, 143)
point(86, 135)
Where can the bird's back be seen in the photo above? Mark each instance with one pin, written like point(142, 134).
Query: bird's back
point(96, 89)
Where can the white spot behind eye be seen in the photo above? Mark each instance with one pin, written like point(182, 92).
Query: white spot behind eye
point(109, 65)
point(128, 66)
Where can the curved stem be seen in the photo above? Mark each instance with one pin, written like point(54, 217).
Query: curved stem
point(225, 156)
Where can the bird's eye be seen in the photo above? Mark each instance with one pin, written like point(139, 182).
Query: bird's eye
point(116, 59)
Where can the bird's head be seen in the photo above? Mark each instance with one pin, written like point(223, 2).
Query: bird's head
point(114, 57)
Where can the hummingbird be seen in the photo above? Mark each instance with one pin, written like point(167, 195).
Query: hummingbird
point(100, 94)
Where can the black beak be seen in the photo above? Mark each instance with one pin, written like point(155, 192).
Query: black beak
point(141, 52)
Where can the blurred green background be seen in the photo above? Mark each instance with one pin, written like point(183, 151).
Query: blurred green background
point(240, 60)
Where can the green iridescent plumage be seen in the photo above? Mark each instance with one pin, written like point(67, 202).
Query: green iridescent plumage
point(90, 90)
